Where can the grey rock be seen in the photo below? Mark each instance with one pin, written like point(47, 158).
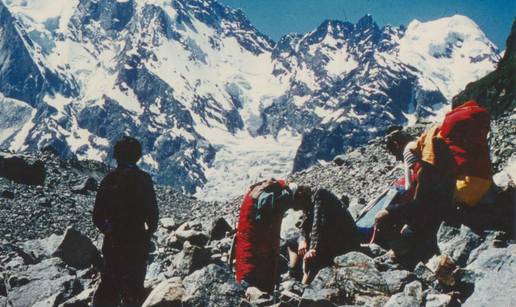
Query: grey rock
point(85, 186)
point(458, 243)
point(190, 259)
point(411, 296)
point(219, 228)
point(256, 297)
point(72, 247)
point(397, 279)
point(424, 274)
point(493, 272)
point(438, 300)
point(212, 286)
point(168, 293)
point(169, 223)
point(7, 194)
point(322, 297)
point(83, 299)
point(192, 232)
point(357, 274)
point(48, 280)
point(76, 250)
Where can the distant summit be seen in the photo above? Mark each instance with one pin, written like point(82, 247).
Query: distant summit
point(209, 95)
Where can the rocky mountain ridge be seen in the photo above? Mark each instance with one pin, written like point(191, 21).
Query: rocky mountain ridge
point(200, 86)
point(188, 261)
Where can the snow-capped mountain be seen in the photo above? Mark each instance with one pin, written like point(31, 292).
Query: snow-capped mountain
point(216, 103)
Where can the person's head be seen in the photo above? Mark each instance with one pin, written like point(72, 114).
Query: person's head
point(127, 150)
point(396, 142)
point(302, 196)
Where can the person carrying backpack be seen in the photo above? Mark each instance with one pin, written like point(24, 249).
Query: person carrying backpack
point(257, 240)
point(126, 212)
point(328, 230)
point(451, 166)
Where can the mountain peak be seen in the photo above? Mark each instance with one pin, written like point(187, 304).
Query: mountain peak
point(366, 22)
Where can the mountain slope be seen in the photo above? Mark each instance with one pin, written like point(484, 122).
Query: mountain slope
point(497, 90)
point(211, 98)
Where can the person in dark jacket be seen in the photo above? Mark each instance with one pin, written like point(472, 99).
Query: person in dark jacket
point(328, 230)
point(126, 212)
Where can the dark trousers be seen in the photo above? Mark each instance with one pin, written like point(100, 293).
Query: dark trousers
point(123, 273)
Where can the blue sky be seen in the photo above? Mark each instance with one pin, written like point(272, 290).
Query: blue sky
point(278, 17)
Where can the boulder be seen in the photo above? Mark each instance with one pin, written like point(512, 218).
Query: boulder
point(438, 300)
point(75, 249)
point(7, 194)
point(256, 297)
point(49, 281)
point(86, 185)
point(212, 286)
point(357, 274)
point(192, 232)
point(168, 223)
point(412, 295)
point(397, 279)
point(83, 299)
point(168, 293)
point(458, 243)
point(17, 169)
point(494, 271)
point(219, 228)
point(322, 297)
point(190, 259)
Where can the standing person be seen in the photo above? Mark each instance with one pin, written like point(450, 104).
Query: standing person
point(126, 212)
point(328, 230)
point(258, 232)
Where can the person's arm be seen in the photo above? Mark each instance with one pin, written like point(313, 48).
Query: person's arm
point(152, 210)
point(409, 160)
point(100, 209)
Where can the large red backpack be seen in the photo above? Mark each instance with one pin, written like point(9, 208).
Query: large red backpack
point(257, 244)
point(465, 131)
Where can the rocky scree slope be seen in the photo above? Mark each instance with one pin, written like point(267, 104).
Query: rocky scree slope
point(196, 82)
point(188, 260)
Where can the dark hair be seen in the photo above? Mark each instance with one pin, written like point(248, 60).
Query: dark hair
point(303, 195)
point(127, 149)
point(397, 137)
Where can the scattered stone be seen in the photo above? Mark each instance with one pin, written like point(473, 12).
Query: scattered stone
point(48, 280)
point(192, 233)
point(87, 184)
point(77, 250)
point(7, 194)
point(72, 247)
point(17, 169)
point(438, 300)
point(190, 259)
point(219, 228)
point(83, 299)
point(397, 279)
point(412, 295)
point(169, 223)
point(212, 286)
point(493, 275)
point(168, 293)
point(458, 243)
